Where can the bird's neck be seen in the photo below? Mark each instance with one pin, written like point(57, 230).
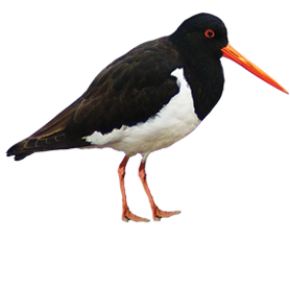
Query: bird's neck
point(202, 70)
point(206, 81)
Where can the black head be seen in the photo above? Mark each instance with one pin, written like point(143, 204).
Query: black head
point(202, 34)
point(199, 41)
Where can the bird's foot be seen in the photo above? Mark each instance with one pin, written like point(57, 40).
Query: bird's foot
point(129, 215)
point(157, 215)
point(175, 214)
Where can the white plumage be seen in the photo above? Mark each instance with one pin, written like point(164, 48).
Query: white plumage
point(173, 122)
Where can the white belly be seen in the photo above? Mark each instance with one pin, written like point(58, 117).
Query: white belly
point(172, 123)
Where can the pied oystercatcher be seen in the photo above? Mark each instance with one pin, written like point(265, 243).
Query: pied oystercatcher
point(147, 99)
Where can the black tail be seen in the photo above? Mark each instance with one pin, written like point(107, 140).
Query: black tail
point(33, 143)
point(19, 151)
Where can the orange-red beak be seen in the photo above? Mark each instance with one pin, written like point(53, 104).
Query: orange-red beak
point(232, 54)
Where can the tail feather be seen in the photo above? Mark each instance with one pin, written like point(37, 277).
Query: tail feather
point(18, 151)
point(32, 145)
point(54, 135)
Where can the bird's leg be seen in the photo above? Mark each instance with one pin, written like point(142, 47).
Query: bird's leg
point(156, 212)
point(126, 214)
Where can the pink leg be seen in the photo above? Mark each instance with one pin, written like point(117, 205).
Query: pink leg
point(126, 214)
point(156, 212)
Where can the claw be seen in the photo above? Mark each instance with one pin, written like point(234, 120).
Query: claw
point(127, 215)
point(158, 214)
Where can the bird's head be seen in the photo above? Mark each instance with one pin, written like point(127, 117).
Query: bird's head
point(205, 36)
point(202, 35)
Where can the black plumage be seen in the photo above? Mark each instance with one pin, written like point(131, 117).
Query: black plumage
point(136, 86)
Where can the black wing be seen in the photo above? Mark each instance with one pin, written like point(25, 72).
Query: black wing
point(130, 90)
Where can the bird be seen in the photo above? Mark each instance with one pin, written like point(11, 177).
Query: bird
point(146, 100)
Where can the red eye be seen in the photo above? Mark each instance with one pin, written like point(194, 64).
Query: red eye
point(209, 33)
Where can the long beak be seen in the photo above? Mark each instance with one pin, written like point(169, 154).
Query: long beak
point(232, 54)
